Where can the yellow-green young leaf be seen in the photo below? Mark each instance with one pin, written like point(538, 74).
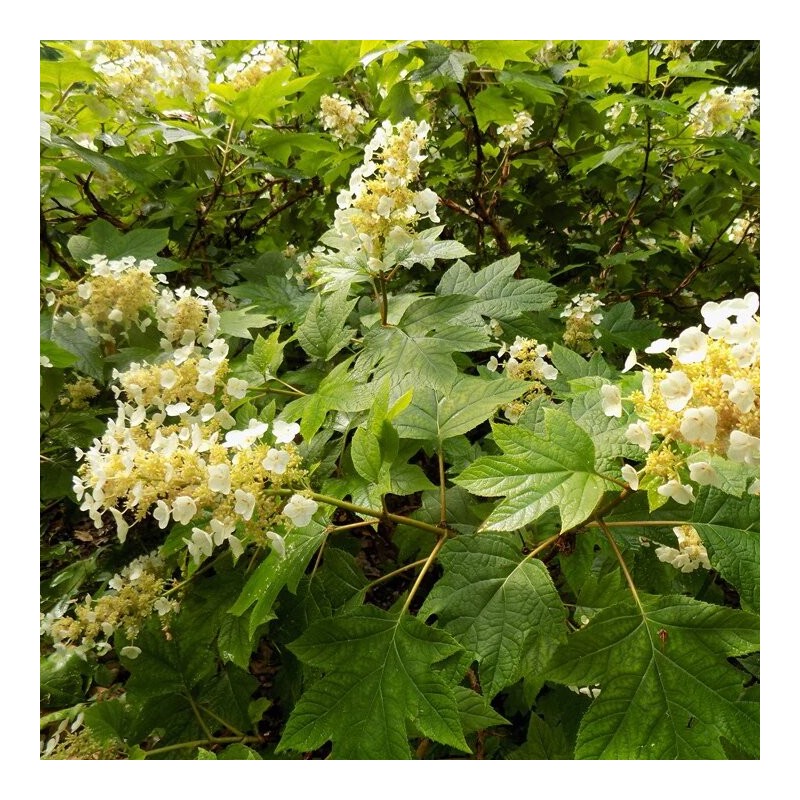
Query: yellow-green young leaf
point(437, 414)
point(496, 53)
point(625, 70)
point(238, 322)
point(666, 688)
point(379, 674)
point(336, 392)
point(537, 473)
point(260, 101)
point(493, 107)
point(497, 604)
point(730, 532)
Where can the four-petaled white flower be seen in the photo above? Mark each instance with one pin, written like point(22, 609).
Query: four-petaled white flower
point(284, 432)
point(630, 476)
point(200, 545)
point(276, 461)
point(703, 473)
point(639, 433)
point(300, 509)
point(630, 361)
point(677, 390)
point(237, 388)
point(648, 381)
point(221, 530)
point(168, 379)
point(611, 400)
point(679, 492)
point(245, 503)
point(699, 425)
point(243, 439)
point(659, 346)
point(161, 514)
point(692, 346)
point(183, 509)
point(122, 525)
point(278, 544)
point(744, 448)
point(740, 392)
point(219, 478)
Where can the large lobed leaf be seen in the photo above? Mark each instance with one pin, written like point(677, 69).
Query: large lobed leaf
point(497, 604)
point(380, 674)
point(666, 689)
point(730, 532)
point(498, 294)
point(537, 473)
point(437, 413)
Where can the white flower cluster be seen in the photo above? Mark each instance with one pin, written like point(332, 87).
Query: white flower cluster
point(616, 118)
point(375, 225)
point(186, 319)
point(582, 317)
point(137, 72)
point(710, 399)
point(173, 451)
point(254, 65)
point(744, 229)
point(717, 112)
point(136, 592)
point(116, 295)
point(526, 361)
point(691, 552)
point(516, 132)
point(341, 117)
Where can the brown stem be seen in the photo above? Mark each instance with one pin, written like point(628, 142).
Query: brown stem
point(97, 205)
point(203, 211)
point(313, 187)
point(44, 238)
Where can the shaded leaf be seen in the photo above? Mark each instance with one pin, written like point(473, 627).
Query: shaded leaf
point(666, 689)
point(379, 672)
point(497, 604)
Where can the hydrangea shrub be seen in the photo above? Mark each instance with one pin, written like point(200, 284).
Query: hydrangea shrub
point(400, 400)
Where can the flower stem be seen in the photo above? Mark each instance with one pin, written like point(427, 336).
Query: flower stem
point(380, 515)
point(200, 742)
point(426, 566)
point(622, 564)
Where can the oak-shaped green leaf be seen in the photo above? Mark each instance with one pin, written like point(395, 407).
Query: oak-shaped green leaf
point(730, 532)
point(497, 604)
point(275, 572)
point(337, 391)
point(666, 689)
point(324, 332)
point(498, 294)
point(437, 414)
point(379, 674)
point(440, 61)
point(495, 53)
point(475, 711)
point(537, 473)
point(237, 322)
point(419, 348)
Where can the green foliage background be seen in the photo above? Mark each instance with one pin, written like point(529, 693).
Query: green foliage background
point(434, 608)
